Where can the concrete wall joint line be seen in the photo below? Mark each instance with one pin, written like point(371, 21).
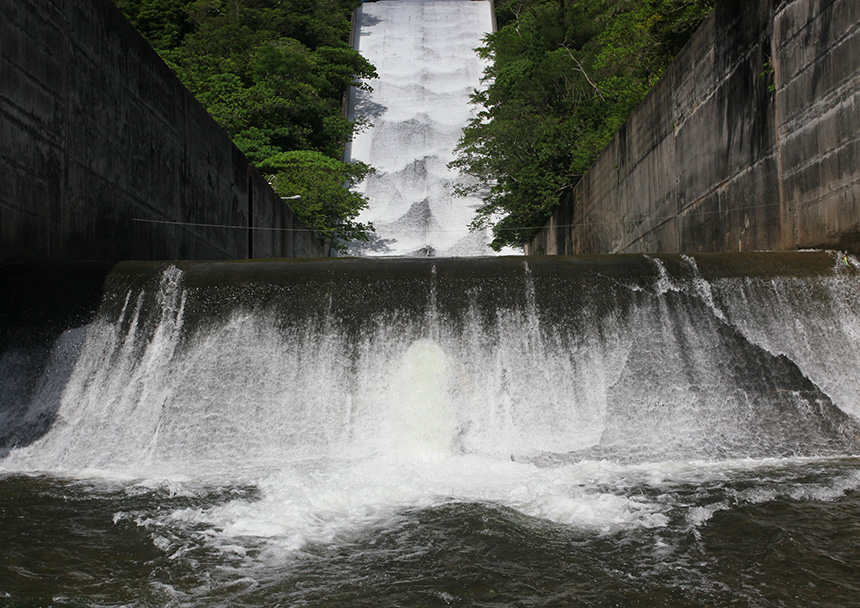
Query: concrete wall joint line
point(19, 209)
point(36, 131)
point(815, 160)
point(32, 78)
point(727, 75)
point(779, 15)
point(748, 170)
point(776, 64)
point(627, 247)
point(57, 246)
point(843, 39)
point(48, 49)
point(803, 119)
point(23, 167)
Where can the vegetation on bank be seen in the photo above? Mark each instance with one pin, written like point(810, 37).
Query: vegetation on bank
point(273, 74)
point(563, 78)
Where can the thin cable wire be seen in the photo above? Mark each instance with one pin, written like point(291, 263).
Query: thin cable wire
point(601, 223)
point(642, 219)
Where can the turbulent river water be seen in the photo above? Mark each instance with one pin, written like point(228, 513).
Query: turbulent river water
point(618, 431)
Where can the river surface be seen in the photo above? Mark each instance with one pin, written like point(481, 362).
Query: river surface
point(782, 532)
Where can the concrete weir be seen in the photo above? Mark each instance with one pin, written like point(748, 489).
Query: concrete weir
point(717, 355)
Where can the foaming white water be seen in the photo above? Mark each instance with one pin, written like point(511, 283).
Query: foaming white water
point(245, 392)
point(424, 55)
point(111, 409)
point(424, 419)
point(246, 397)
point(564, 413)
point(816, 328)
point(305, 504)
point(316, 503)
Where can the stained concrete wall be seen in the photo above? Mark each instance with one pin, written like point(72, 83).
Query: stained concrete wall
point(750, 141)
point(101, 148)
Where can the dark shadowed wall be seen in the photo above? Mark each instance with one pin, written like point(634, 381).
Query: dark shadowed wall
point(104, 155)
point(750, 141)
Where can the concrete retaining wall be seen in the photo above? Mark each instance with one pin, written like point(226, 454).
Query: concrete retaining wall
point(750, 141)
point(101, 148)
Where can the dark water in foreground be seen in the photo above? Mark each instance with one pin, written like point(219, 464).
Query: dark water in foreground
point(765, 533)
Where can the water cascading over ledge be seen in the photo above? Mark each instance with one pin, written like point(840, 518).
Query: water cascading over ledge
point(192, 367)
point(425, 55)
point(379, 432)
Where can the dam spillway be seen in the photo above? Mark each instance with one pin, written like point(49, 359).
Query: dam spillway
point(532, 358)
point(380, 432)
point(663, 430)
point(660, 430)
point(425, 55)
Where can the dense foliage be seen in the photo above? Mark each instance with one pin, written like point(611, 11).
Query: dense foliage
point(323, 186)
point(563, 78)
point(273, 73)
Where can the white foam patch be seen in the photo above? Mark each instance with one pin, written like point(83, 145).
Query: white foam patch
point(318, 504)
point(698, 516)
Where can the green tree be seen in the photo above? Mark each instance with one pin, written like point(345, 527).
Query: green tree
point(272, 73)
point(164, 23)
point(325, 203)
point(564, 75)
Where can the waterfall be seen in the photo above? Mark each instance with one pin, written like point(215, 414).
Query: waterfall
point(192, 368)
point(425, 55)
point(299, 403)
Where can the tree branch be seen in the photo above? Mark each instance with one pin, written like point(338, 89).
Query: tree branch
point(581, 69)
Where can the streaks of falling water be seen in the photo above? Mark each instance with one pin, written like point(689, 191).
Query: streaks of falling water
point(424, 55)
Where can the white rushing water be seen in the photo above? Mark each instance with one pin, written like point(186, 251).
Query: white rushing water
point(339, 427)
point(424, 54)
